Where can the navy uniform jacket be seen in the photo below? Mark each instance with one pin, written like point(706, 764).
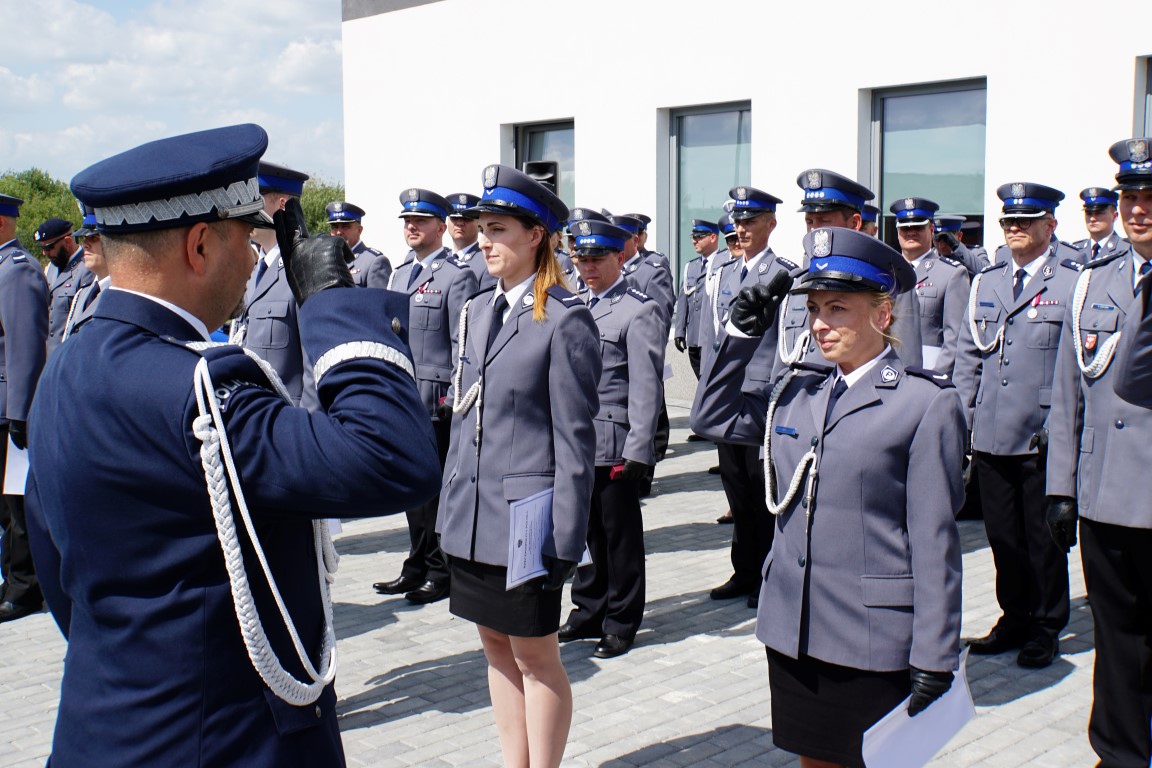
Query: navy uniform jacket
point(474, 258)
point(651, 276)
point(1099, 450)
point(536, 414)
point(942, 286)
point(365, 261)
point(710, 305)
point(83, 308)
point(23, 329)
point(63, 285)
point(691, 299)
point(271, 328)
point(156, 672)
point(1010, 385)
point(435, 301)
point(872, 581)
point(1108, 246)
point(1134, 353)
point(631, 381)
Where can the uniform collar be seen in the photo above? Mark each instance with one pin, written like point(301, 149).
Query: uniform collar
point(610, 288)
point(184, 314)
point(862, 371)
point(515, 293)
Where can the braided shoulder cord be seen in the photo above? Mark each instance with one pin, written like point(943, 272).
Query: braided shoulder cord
point(788, 357)
point(71, 314)
point(808, 459)
point(1104, 355)
point(977, 339)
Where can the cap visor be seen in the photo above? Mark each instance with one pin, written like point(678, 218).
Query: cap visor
point(258, 219)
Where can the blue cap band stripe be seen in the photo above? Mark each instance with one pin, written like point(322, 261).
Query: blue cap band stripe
point(949, 227)
point(702, 228)
point(868, 216)
point(833, 194)
point(1100, 201)
point(425, 207)
point(10, 210)
point(864, 269)
point(599, 241)
point(1128, 165)
point(290, 186)
point(1035, 202)
point(523, 201)
point(915, 213)
point(761, 205)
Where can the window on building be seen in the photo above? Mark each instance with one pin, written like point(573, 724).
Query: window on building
point(712, 152)
point(1147, 97)
point(929, 142)
point(551, 142)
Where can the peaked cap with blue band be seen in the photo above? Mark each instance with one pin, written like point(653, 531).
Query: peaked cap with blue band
point(726, 226)
point(422, 202)
point(913, 211)
point(841, 259)
point(585, 214)
point(643, 218)
point(281, 178)
point(462, 201)
point(827, 190)
point(51, 230)
point(869, 213)
point(706, 227)
point(1098, 197)
point(950, 223)
point(595, 238)
point(1028, 199)
point(88, 225)
point(511, 192)
point(749, 202)
point(633, 225)
point(341, 210)
point(1135, 159)
point(179, 181)
point(10, 206)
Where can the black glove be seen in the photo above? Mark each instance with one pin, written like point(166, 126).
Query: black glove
point(1062, 515)
point(754, 309)
point(948, 239)
point(681, 343)
point(926, 688)
point(559, 571)
point(444, 412)
point(18, 431)
point(312, 263)
point(1039, 441)
point(634, 470)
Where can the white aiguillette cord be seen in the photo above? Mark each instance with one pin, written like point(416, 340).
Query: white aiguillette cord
point(216, 457)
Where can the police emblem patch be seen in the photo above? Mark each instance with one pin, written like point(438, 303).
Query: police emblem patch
point(436, 265)
point(585, 228)
point(741, 193)
point(909, 203)
point(762, 269)
point(812, 180)
point(821, 243)
point(490, 176)
point(889, 374)
point(1089, 342)
point(413, 195)
point(1138, 150)
point(1049, 271)
point(1017, 190)
point(579, 214)
point(529, 300)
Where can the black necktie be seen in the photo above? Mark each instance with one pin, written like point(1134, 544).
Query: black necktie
point(414, 275)
point(498, 308)
point(92, 294)
point(743, 272)
point(261, 268)
point(1145, 268)
point(1095, 250)
point(838, 390)
point(1018, 283)
point(593, 302)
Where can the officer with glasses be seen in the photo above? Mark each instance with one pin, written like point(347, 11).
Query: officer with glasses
point(66, 273)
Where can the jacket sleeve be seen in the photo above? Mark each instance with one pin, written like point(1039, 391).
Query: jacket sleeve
point(464, 286)
point(46, 559)
point(24, 320)
point(956, 296)
point(378, 273)
point(967, 366)
point(721, 411)
point(1065, 417)
point(681, 313)
point(645, 383)
point(1133, 374)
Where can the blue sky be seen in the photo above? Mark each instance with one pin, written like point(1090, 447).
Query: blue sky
point(80, 81)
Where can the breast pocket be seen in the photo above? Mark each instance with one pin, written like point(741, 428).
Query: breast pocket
point(612, 349)
point(1096, 325)
point(426, 311)
point(1044, 333)
point(270, 327)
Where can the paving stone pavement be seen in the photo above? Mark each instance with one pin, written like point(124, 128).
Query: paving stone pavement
point(693, 692)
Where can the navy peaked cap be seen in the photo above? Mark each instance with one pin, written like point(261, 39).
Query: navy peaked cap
point(52, 229)
point(749, 202)
point(950, 223)
point(841, 259)
point(585, 214)
point(644, 219)
point(422, 202)
point(340, 210)
point(700, 225)
point(913, 211)
point(514, 193)
point(281, 178)
point(175, 182)
point(869, 212)
point(597, 237)
point(826, 190)
point(1028, 198)
point(1098, 197)
point(462, 201)
point(630, 223)
point(1135, 159)
point(726, 225)
point(88, 225)
point(10, 206)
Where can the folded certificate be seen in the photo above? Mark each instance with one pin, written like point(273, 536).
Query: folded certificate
point(15, 470)
point(530, 521)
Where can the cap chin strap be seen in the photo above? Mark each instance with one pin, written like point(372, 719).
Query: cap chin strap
point(219, 473)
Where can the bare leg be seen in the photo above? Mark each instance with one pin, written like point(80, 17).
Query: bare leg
point(547, 698)
point(506, 687)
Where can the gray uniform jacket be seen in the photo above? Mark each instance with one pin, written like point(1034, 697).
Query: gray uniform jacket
point(691, 298)
point(270, 328)
point(365, 261)
point(1010, 382)
point(709, 305)
point(474, 258)
point(530, 428)
point(652, 278)
point(1063, 251)
point(434, 304)
point(865, 574)
point(942, 286)
point(1099, 450)
point(1134, 353)
point(1108, 246)
point(23, 329)
point(83, 307)
point(63, 285)
point(631, 380)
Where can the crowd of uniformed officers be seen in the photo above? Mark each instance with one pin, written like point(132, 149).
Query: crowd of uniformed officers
point(856, 395)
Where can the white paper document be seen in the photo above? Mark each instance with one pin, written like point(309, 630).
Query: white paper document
point(530, 520)
point(930, 355)
point(900, 741)
point(15, 470)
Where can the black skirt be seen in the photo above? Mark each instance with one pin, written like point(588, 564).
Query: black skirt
point(479, 595)
point(821, 710)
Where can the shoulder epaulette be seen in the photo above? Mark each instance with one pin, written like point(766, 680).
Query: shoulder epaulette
point(942, 380)
point(1072, 264)
point(637, 294)
point(565, 296)
point(483, 291)
point(457, 262)
point(1103, 259)
point(821, 368)
point(19, 257)
point(1070, 245)
point(992, 266)
point(951, 262)
point(373, 251)
point(786, 264)
point(1079, 244)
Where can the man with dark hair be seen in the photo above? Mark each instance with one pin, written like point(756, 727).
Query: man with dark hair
point(66, 273)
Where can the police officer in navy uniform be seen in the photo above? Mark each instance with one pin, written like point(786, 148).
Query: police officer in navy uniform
point(609, 593)
point(642, 237)
point(23, 336)
point(345, 222)
point(567, 265)
point(648, 274)
point(860, 596)
point(147, 570)
point(690, 300)
point(85, 302)
point(437, 284)
point(942, 284)
point(754, 216)
point(709, 314)
point(950, 243)
point(1100, 221)
point(465, 237)
point(66, 274)
point(1098, 468)
point(1011, 335)
point(270, 324)
point(1134, 352)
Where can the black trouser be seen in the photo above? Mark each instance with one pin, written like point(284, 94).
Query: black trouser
point(663, 431)
point(1118, 573)
point(694, 360)
point(20, 585)
point(425, 559)
point(609, 593)
point(1031, 571)
point(742, 473)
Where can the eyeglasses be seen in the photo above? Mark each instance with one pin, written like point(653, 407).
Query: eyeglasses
point(588, 257)
point(700, 235)
point(50, 245)
point(1020, 223)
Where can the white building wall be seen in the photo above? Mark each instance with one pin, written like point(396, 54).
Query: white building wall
point(431, 92)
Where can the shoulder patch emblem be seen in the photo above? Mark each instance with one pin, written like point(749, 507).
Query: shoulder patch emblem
point(941, 380)
point(638, 294)
point(889, 374)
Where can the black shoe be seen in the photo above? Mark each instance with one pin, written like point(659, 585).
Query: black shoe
point(694, 438)
point(713, 470)
point(10, 611)
point(428, 592)
point(731, 589)
point(754, 600)
point(726, 518)
point(568, 633)
point(996, 641)
point(397, 586)
point(644, 489)
point(611, 646)
point(1038, 653)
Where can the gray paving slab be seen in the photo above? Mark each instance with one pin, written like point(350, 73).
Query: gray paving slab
point(693, 692)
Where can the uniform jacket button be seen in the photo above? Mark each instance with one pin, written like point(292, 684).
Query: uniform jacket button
point(1119, 424)
point(800, 561)
point(473, 478)
point(1004, 382)
point(319, 712)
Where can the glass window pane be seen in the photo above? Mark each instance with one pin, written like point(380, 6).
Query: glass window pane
point(557, 145)
point(714, 152)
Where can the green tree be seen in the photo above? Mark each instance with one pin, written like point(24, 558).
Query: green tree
point(44, 198)
point(317, 194)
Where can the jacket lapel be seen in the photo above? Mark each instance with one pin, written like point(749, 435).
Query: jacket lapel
point(510, 327)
